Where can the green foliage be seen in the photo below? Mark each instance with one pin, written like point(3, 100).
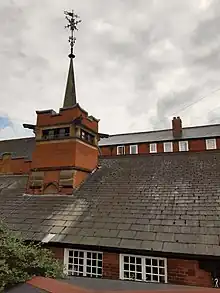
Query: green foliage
point(20, 261)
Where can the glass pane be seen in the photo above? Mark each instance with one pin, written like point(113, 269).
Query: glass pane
point(138, 260)
point(94, 262)
point(155, 278)
point(126, 266)
point(81, 261)
point(148, 261)
point(148, 270)
point(76, 253)
point(88, 254)
point(70, 260)
point(88, 262)
point(99, 271)
point(94, 270)
point(161, 263)
point(100, 256)
point(70, 267)
point(70, 253)
point(161, 271)
point(154, 262)
point(132, 259)
point(155, 270)
point(139, 276)
point(81, 254)
point(148, 277)
point(126, 259)
point(76, 260)
point(138, 268)
point(94, 255)
point(162, 279)
point(88, 269)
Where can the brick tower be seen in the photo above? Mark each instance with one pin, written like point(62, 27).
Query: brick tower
point(66, 149)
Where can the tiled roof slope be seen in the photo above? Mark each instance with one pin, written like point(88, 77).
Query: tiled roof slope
point(161, 202)
point(22, 147)
point(205, 131)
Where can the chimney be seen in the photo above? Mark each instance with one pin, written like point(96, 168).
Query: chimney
point(177, 127)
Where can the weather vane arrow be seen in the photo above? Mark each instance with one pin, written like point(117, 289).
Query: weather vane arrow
point(73, 20)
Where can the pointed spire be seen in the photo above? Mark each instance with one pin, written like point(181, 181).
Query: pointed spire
point(70, 94)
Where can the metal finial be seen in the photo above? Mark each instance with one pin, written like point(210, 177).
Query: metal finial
point(73, 20)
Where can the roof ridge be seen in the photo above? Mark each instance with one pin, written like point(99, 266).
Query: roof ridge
point(20, 138)
point(163, 130)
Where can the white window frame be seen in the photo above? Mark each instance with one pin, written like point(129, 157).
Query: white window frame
point(85, 263)
point(153, 147)
point(136, 149)
point(143, 266)
point(168, 143)
point(210, 144)
point(118, 147)
point(183, 143)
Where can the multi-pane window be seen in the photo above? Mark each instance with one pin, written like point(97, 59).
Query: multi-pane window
point(183, 146)
point(87, 136)
point(142, 268)
point(133, 149)
point(121, 150)
point(83, 263)
point(168, 146)
point(153, 147)
point(210, 144)
point(56, 133)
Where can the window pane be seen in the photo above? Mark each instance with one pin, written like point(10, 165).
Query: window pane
point(153, 148)
point(120, 150)
point(141, 268)
point(81, 263)
point(168, 146)
point(133, 149)
point(183, 146)
point(211, 144)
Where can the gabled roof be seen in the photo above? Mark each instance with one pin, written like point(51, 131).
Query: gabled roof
point(162, 202)
point(205, 131)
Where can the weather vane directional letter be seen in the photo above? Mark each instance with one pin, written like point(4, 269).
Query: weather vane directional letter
point(73, 20)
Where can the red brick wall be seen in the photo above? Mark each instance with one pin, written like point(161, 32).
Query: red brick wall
point(65, 116)
point(197, 145)
point(58, 252)
point(14, 166)
point(187, 272)
point(111, 265)
point(52, 154)
point(180, 271)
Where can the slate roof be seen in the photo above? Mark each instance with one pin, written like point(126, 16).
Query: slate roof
point(205, 131)
point(162, 202)
point(22, 147)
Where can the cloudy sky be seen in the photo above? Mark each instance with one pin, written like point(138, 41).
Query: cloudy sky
point(138, 62)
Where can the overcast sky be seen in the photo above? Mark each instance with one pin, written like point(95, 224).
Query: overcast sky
point(138, 62)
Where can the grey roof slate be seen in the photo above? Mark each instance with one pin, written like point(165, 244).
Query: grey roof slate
point(162, 202)
point(22, 147)
point(205, 131)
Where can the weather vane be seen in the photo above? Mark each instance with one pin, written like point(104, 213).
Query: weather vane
point(73, 20)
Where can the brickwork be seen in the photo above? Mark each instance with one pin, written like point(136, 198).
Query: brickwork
point(111, 265)
point(10, 165)
point(187, 272)
point(179, 271)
